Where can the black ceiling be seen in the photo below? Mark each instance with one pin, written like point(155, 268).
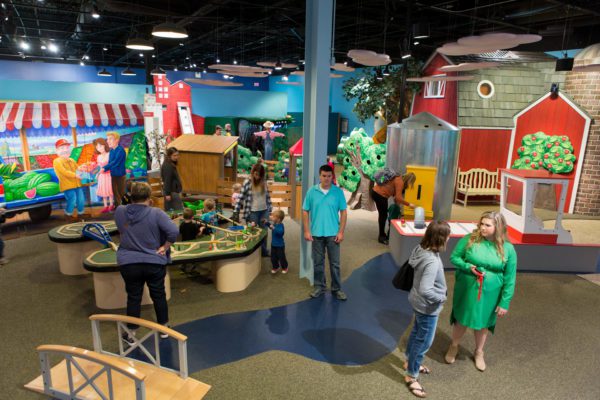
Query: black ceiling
point(250, 31)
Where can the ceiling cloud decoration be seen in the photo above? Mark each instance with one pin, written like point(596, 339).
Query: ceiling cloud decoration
point(468, 66)
point(369, 58)
point(239, 68)
point(342, 67)
point(486, 43)
point(436, 78)
point(212, 82)
point(288, 83)
point(242, 73)
point(588, 59)
point(272, 64)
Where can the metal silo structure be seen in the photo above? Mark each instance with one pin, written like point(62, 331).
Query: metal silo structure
point(425, 139)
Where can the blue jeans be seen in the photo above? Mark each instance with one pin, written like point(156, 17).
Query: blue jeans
point(260, 218)
point(74, 196)
point(419, 342)
point(319, 245)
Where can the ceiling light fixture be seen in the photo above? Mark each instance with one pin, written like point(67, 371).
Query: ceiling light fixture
point(104, 73)
point(285, 78)
point(218, 60)
point(420, 30)
point(53, 48)
point(43, 47)
point(139, 43)
point(386, 71)
point(169, 30)
point(406, 54)
point(24, 45)
point(278, 66)
point(158, 71)
point(81, 63)
point(95, 12)
point(105, 49)
point(379, 75)
point(86, 57)
point(175, 69)
point(128, 72)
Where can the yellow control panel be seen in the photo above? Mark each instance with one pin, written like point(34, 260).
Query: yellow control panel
point(422, 192)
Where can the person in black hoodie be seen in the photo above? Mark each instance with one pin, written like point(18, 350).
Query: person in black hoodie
point(171, 182)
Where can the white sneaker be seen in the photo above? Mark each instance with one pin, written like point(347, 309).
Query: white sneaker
point(164, 335)
point(4, 260)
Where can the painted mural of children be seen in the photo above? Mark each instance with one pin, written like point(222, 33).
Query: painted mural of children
point(236, 195)
point(104, 190)
point(68, 180)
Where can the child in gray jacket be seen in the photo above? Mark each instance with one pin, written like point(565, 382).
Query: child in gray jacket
point(427, 298)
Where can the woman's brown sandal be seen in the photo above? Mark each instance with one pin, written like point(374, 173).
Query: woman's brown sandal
point(414, 390)
point(422, 369)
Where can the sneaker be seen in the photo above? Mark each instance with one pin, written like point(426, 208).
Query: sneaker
point(383, 240)
point(274, 270)
point(284, 271)
point(129, 338)
point(316, 292)
point(340, 295)
point(4, 260)
point(164, 335)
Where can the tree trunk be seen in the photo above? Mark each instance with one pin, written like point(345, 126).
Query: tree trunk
point(361, 197)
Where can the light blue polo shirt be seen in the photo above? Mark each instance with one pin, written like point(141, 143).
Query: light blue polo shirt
point(324, 210)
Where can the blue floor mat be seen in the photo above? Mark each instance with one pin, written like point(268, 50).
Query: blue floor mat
point(358, 331)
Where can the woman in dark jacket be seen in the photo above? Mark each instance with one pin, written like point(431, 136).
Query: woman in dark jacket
point(171, 182)
point(146, 237)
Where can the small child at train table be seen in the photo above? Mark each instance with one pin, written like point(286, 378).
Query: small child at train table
point(210, 214)
point(278, 259)
point(189, 230)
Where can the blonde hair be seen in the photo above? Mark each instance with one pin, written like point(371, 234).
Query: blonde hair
point(115, 135)
point(499, 233)
point(409, 180)
point(279, 214)
point(209, 204)
point(236, 187)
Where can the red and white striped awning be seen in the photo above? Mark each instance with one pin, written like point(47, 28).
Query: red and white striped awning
point(16, 115)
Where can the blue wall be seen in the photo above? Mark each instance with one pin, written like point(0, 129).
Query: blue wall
point(72, 91)
point(242, 103)
point(337, 102)
point(258, 97)
point(13, 70)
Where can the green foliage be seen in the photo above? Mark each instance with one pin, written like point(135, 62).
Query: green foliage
point(372, 94)
point(372, 158)
point(540, 151)
point(136, 156)
point(246, 160)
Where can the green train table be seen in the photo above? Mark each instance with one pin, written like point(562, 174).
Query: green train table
point(234, 256)
point(72, 247)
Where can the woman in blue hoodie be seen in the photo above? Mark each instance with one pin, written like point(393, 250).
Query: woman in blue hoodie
point(146, 237)
point(427, 298)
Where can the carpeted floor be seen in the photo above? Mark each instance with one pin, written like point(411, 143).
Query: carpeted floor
point(546, 348)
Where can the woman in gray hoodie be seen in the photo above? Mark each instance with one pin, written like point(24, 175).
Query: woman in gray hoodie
point(146, 236)
point(427, 297)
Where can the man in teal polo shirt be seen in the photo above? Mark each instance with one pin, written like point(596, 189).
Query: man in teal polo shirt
point(324, 216)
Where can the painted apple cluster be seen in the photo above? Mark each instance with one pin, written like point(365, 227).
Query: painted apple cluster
point(539, 151)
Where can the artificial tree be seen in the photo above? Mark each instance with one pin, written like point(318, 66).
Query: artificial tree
point(381, 96)
point(361, 159)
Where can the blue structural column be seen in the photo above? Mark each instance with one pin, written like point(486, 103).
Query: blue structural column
point(319, 27)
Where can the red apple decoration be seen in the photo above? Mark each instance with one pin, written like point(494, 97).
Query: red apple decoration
point(533, 138)
point(540, 163)
point(534, 154)
point(567, 151)
point(556, 143)
point(557, 154)
point(549, 145)
point(522, 148)
point(560, 160)
point(546, 156)
point(549, 165)
point(564, 138)
point(527, 161)
point(568, 162)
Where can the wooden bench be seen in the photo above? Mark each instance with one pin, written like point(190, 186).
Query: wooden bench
point(476, 182)
point(99, 374)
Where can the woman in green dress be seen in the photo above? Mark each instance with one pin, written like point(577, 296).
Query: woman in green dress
point(486, 265)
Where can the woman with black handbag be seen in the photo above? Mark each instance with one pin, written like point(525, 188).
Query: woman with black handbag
point(427, 297)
